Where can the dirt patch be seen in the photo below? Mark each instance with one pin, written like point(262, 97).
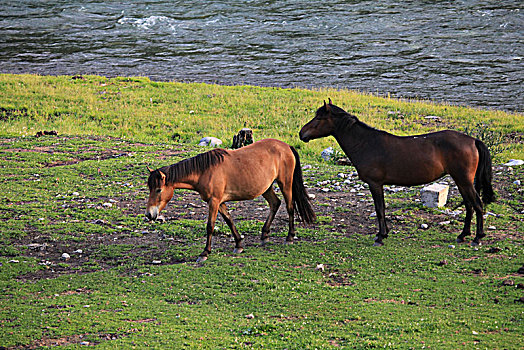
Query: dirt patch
point(79, 339)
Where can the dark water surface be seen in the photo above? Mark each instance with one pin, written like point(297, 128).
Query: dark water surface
point(463, 52)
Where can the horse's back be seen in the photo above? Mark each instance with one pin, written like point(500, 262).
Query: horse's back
point(419, 159)
point(249, 171)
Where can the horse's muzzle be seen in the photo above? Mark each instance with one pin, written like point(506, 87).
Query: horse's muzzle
point(303, 136)
point(152, 213)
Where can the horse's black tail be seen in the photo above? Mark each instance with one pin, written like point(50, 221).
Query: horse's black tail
point(300, 196)
point(484, 174)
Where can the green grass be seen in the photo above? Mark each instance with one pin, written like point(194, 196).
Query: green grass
point(139, 109)
point(329, 290)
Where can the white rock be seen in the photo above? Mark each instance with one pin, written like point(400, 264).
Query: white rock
point(307, 166)
point(424, 226)
point(514, 162)
point(250, 316)
point(209, 141)
point(434, 195)
point(325, 189)
point(65, 256)
point(78, 251)
point(451, 246)
point(320, 267)
point(13, 261)
point(311, 196)
point(76, 194)
point(492, 227)
point(156, 262)
point(516, 182)
point(107, 205)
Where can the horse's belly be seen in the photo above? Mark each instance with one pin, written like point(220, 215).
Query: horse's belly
point(415, 174)
point(238, 192)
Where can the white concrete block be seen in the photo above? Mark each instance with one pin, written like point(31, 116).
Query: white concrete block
point(434, 195)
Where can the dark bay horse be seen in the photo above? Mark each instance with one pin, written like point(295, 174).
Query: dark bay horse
point(385, 159)
point(220, 176)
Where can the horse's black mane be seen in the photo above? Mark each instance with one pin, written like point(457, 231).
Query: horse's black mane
point(342, 118)
point(196, 164)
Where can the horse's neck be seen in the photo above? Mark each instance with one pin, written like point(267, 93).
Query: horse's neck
point(187, 182)
point(356, 140)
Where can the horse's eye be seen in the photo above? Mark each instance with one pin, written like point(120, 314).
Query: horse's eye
point(158, 190)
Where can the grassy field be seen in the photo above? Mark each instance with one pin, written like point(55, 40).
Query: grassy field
point(128, 283)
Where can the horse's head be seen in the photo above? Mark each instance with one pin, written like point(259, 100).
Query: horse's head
point(321, 126)
point(159, 193)
point(325, 123)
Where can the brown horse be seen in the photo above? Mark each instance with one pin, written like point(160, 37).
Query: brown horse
point(233, 175)
point(385, 159)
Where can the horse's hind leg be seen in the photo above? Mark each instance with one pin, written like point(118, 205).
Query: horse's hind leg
point(287, 192)
point(466, 231)
point(274, 204)
point(477, 205)
point(222, 209)
point(473, 202)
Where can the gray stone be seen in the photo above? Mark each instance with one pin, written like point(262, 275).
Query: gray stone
point(209, 141)
point(327, 153)
point(514, 162)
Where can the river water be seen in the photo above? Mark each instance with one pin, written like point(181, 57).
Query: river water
point(462, 52)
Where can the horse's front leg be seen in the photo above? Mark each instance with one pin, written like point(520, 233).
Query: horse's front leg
point(377, 191)
point(229, 221)
point(211, 219)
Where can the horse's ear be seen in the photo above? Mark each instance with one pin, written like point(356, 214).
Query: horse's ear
point(149, 169)
point(162, 175)
point(330, 103)
point(327, 106)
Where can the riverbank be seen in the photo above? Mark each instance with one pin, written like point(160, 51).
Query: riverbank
point(139, 109)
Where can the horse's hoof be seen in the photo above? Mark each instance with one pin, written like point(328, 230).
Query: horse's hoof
point(238, 250)
point(201, 259)
point(378, 244)
point(459, 240)
point(264, 241)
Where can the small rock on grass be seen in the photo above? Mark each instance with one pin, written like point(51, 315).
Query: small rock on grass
point(508, 283)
